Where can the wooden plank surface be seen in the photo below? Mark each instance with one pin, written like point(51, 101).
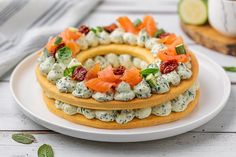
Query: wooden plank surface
point(189, 144)
point(209, 37)
point(216, 138)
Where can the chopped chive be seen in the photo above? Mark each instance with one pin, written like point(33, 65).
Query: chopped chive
point(180, 49)
point(58, 40)
point(151, 80)
point(97, 29)
point(159, 32)
point(93, 30)
point(230, 68)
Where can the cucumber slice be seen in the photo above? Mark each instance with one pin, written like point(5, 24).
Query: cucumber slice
point(193, 11)
point(180, 49)
point(151, 80)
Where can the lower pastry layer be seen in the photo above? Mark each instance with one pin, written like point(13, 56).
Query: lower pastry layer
point(122, 117)
point(135, 123)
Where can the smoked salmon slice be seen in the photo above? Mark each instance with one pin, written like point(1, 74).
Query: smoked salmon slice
point(108, 75)
point(93, 72)
point(74, 47)
point(99, 85)
point(127, 25)
point(51, 47)
point(132, 76)
point(150, 25)
point(70, 34)
point(180, 58)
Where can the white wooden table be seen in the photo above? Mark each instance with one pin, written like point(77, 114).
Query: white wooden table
point(217, 137)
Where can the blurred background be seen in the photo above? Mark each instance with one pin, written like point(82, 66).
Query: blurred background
point(26, 25)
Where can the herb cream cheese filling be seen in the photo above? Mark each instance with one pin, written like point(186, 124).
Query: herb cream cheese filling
point(177, 104)
point(55, 74)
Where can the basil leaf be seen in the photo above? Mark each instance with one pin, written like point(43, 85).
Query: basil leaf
point(58, 40)
point(64, 53)
point(137, 22)
point(148, 71)
point(23, 138)
point(69, 71)
point(45, 150)
point(230, 68)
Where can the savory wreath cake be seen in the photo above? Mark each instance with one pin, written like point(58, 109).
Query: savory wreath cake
point(124, 75)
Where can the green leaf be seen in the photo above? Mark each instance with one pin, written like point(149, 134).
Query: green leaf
point(230, 68)
point(23, 138)
point(45, 150)
point(64, 53)
point(69, 71)
point(137, 22)
point(148, 71)
point(58, 40)
point(159, 32)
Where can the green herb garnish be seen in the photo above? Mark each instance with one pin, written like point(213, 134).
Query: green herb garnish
point(137, 22)
point(23, 138)
point(93, 30)
point(45, 150)
point(148, 71)
point(64, 53)
point(230, 68)
point(97, 29)
point(159, 32)
point(180, 49)
point(69, 71)
point(151, 80)
point(58, 40)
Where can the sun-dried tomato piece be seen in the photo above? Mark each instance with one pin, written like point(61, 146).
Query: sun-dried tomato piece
point(60, 46)
point(110, 28)
point(119, 70)
point(57, 48)
point(164, 35)
point(83, 29)
point(79, 73)
point(168, 66)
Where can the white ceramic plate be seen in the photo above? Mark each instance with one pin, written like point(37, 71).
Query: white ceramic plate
point(214, 86)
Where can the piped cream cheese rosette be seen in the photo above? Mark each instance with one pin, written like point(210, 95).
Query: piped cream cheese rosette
point(118, 75)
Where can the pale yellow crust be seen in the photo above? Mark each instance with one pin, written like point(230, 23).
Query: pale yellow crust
point(135, 51)
point(135, 123)
point(155, 99)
